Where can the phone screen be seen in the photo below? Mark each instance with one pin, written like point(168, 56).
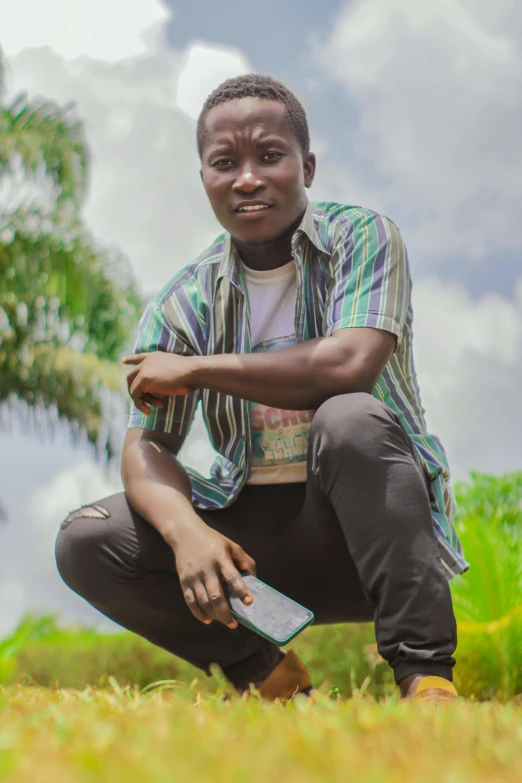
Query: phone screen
point(273, 614)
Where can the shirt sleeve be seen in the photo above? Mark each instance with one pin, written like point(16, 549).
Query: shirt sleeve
point(369, 280)
point(159, 332)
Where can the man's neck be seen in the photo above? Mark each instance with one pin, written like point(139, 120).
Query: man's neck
point(269, 255)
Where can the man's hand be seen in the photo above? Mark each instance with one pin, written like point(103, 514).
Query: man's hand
point(205, 562)
point(156, 375)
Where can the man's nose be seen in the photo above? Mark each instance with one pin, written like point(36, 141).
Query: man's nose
point(248, 181)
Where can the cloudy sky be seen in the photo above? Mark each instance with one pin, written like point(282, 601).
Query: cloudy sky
point(415, 111)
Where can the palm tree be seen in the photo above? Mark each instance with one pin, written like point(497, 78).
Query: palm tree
point(67, 306)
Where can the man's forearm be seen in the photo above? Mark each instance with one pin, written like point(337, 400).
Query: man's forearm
point(301, 377)
point(158, 488)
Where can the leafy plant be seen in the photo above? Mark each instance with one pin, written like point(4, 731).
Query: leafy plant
point(488, 599)
point(67, 306)
point(28, 629)
point(494, 498)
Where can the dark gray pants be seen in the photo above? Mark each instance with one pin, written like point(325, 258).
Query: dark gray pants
point(355, 543)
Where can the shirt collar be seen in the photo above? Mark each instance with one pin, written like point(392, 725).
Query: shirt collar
point(308, 226)
point(230, 265)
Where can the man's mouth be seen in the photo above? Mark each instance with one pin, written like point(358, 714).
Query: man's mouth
point(252, 209)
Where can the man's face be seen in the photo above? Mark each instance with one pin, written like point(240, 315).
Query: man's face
point(253, 169)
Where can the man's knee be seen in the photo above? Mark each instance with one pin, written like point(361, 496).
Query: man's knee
point(79, 541)
point(351, 421)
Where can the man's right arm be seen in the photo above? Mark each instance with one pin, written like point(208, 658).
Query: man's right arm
point(159, 489)
point(156, 483)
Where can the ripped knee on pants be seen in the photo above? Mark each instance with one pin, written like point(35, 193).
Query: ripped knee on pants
point(91, 511)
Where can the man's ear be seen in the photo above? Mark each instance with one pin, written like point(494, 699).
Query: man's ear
point(201, 174)
point(309, 168)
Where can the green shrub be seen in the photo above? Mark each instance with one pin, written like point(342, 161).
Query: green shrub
point(75, 656)
point(343, 655)
point(488, 599)
point(490, 497)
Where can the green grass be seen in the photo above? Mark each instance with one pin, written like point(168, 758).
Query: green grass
point(80, 706)
point(179, 733)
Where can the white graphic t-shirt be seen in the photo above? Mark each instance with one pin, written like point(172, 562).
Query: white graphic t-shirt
point(279, 437)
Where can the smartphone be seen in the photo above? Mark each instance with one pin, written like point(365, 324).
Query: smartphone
point(271, 614)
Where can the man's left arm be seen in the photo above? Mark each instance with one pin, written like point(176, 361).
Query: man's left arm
point(305, 375)
point(367, 299)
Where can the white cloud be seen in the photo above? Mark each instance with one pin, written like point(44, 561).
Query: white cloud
point(29, 578)
point(468, 357)
point(145, 197)
point(436, 146)
point(204, 68)
point(108, 30)
point(438, 87)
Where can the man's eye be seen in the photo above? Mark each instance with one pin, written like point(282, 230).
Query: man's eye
point(271, 156)
point(223, 162)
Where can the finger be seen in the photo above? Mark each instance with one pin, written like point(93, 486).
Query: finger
point(219, 605)
point(243, 561)
point(135, 358)
point(204, 604)
point(138, 395)
point(151, 399)
point(130, 378)
point(192, 603)
point(135, 387)
point(141, 404)
point(235, 582)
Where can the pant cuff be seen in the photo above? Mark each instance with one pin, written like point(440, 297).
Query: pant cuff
point(420, 667)
point(255, 668)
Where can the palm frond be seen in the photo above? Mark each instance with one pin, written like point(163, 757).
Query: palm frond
point(67, 306)
point(41, 133)
point(66, 312)
point(79, 389)
point(65, 286)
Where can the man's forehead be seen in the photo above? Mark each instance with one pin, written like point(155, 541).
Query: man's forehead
point(256, 115)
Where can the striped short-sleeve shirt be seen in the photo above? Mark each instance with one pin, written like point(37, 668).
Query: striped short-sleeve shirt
point(352, 271)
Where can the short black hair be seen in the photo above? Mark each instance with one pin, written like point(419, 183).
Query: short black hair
point(254, 85)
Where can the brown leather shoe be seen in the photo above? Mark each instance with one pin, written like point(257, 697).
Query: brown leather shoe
point(433, 689)
point(289, 677)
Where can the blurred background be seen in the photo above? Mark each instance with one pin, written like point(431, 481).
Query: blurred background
point(414, 111)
